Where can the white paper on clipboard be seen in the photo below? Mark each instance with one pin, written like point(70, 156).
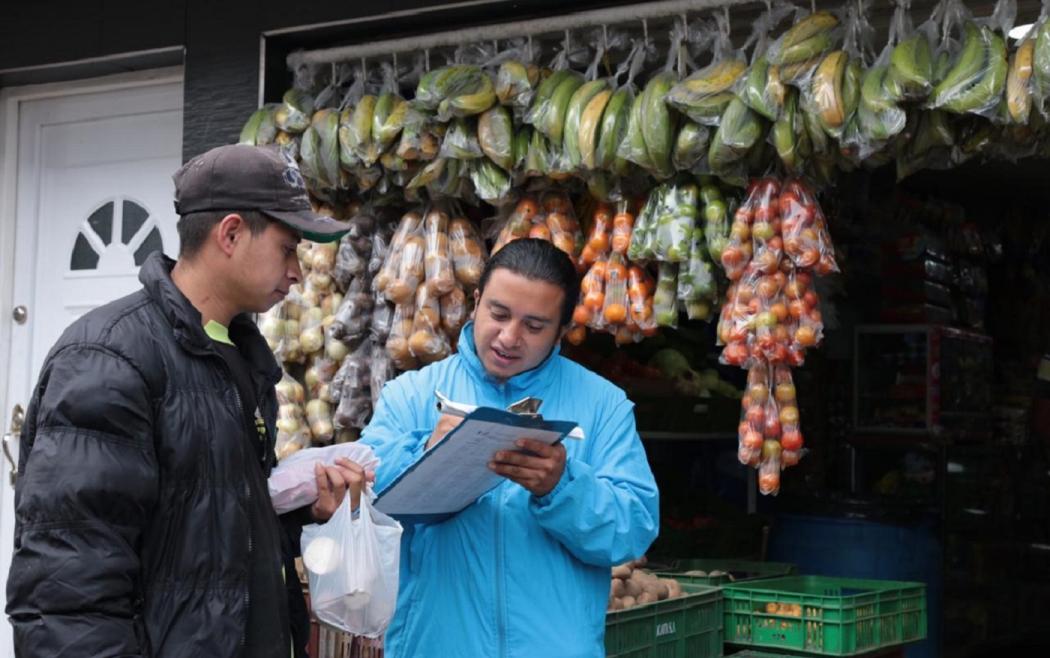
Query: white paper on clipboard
point(455, 472)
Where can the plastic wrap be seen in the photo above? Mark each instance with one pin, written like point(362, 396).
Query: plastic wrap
point(615, 304)
point(397, 345)
point(518, 223)
point(293, 432)
point(440, 277)
point(597, 244)
point(976, 78)
point(427, 342)
point(381, 371)
point(705, 94)
point(353, 382)
point(761, 87)
point(461, 141)
point(640, 294)
point(665, 299)
point(643, 237)
point(353, 318)
point(410, 271)
point(467, 251)
point(454, 312)
point(675, 223)
point(716, 218)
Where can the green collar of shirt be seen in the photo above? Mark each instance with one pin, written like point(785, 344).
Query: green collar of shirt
point(218, 332)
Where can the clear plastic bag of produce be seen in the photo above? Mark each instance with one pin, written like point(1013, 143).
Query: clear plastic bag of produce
point(831, 92)
point(738, 252)
point(766, 242)
point(592, 292)
point(400, 331)
point(753, 406)
point(496, 136)
point(311, 330)
point(381, 371)
point(885, 84)
point(665, 299)
point(293, 432)
point(319, 152)
point(390, 111)
point(802, 47)
point(353, 567)
point(491, 183)
point(440, 277)
point(678, 216)
point(971, 72)
point(805, 229)
point(622, 227)
point(454, 313)
point(428, 342)
point(353, 382)
point(738, 320)
point(704, 95)
point(294, 114)
point(355, 249)
point(658, 124)
point(715, 218)
point(517, 223)
point(761, 87)
point(598, 238)
point(1040, 63)
point(616, 117)
point(260, 129)
point(791, 441)
point(804, 309)
point(293, 483)
point(461, 141)
point(697, 287)
point(585, 109)
point(561, 225)
point(615, 304)
point(546, 114)
point(411, 252)
point(353, 319)
point(518, 76)
point(643, 237)
point(467, 251)
point(739, 131)
point(319, 416)
point(382, 318)
point(641, 289)
point(631, 146)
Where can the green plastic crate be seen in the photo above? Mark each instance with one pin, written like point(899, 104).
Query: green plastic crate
point(689, 626)
point(741, 570)
point(835, 616)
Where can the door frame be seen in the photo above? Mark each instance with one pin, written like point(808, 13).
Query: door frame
point(12, 100)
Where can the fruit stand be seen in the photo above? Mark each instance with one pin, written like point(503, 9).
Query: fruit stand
point(753, 195)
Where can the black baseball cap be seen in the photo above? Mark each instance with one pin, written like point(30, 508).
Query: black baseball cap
point(261, 178)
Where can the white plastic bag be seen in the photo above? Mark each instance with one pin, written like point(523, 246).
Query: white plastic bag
point(353, 564)
point(293, 484)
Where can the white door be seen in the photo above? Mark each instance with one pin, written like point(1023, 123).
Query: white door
point(92, 198)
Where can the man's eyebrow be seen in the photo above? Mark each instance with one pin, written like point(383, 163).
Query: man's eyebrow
point(531, 318)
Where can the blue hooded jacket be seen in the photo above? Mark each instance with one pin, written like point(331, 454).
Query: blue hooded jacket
point(513, 575)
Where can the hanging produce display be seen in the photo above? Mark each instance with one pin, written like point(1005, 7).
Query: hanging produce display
point(630, 159)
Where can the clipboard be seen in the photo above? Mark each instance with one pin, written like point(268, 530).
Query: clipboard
point(454, 473)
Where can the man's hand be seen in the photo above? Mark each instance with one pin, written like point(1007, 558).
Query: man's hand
point(332, 483)
point(539, 472)
point(446, 424)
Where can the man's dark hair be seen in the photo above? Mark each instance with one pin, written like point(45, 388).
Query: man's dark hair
point(194, 227)
point(538, 260)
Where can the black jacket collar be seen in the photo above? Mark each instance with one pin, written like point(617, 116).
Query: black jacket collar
point(185, 320)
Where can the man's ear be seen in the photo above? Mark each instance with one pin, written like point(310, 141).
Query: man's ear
point(477, 300)
point(228, 231)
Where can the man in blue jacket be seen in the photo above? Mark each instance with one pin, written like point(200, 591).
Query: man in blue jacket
point(524, 571)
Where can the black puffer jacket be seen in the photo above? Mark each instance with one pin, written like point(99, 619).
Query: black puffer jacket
point(136, 487)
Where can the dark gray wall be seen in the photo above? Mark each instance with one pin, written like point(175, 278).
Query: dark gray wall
point(218, 41)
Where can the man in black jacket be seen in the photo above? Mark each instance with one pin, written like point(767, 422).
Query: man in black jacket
point(143, 520)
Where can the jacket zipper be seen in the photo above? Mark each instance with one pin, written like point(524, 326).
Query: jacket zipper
point(501, 620)
point(248, 494)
